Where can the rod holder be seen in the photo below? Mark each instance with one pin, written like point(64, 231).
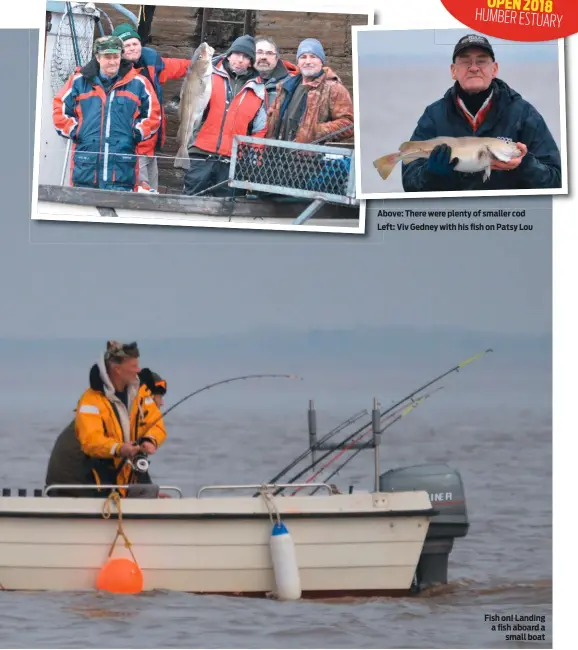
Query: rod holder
point(312, 424)
point(376, 430)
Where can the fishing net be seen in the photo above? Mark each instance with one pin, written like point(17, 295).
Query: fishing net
point(73, 45)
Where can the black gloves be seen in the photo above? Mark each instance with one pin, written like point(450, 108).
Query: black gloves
point(439, 162)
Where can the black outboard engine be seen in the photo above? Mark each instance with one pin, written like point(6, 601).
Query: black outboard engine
point(446, 492)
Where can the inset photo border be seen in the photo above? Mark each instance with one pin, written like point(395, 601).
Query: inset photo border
point(281, 167)
point(409, 92)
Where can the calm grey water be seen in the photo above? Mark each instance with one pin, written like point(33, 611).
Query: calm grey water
point(491, 421)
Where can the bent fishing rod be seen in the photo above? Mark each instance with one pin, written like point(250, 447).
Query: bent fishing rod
point(456, 368)
point(207, 387)
point(403, 413)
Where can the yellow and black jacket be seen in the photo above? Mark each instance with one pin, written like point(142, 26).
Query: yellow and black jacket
point(103, 424)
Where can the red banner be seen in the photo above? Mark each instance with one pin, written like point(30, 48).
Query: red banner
point(517, 20)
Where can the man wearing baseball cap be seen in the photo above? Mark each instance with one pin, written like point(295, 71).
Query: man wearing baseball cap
point(106, 108)
point(483, 105)
point(313, 103)
point(158, 70)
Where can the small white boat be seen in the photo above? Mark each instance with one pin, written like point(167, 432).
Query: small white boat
point(345, 544)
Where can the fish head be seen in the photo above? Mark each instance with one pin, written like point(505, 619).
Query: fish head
point(202, 57)
point(504, 149)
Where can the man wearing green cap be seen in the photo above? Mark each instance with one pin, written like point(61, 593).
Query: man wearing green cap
point(158, 70)
point(106, 108)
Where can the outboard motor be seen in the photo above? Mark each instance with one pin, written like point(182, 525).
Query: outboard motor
point(446, 492)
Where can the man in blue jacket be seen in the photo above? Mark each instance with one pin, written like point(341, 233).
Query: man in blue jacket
point(480, 104)
point(106, 108)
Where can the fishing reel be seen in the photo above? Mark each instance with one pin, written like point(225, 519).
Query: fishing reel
point(140, 462)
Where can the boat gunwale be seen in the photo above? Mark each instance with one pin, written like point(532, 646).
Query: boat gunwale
point(30, 514)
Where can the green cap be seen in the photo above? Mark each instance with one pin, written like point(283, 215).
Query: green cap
point(125, 32)
point(108, 45)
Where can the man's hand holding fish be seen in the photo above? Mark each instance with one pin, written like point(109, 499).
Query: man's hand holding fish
point(515, 162)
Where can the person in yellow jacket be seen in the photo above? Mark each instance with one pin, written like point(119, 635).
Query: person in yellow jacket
point(117, 417)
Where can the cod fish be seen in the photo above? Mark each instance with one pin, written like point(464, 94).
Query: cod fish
point(473, 154)
point(194, 97)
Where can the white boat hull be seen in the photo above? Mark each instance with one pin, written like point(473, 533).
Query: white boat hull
point(345, 544)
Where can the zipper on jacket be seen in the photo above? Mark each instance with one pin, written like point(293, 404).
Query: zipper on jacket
point(228, 100)
point(106, 137)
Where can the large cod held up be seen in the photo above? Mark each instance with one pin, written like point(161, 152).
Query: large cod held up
point(194, 97)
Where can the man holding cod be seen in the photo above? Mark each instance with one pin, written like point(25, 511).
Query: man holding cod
point(481, 105)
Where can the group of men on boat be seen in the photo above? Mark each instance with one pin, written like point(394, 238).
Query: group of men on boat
point(117, 419)
point(113, 109)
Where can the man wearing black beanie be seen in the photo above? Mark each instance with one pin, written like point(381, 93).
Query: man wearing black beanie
point(236, 107)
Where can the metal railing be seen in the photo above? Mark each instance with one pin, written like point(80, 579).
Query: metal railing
point(307, 171)
point(64, 486)
point(272, 486)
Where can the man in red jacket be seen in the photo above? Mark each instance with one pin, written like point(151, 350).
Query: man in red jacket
point(158, 70)
point(236, 107)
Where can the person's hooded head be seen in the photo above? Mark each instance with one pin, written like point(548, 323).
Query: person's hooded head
point(155, 383)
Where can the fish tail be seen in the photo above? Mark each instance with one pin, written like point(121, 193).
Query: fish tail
point(385, 164)
point(182, 158)
point(404, 146)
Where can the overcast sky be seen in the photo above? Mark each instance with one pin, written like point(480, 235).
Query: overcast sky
point(427, 44)
point(139, 282)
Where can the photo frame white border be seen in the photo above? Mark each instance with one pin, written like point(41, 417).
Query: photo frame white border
point(169, 219)
point(452, 24)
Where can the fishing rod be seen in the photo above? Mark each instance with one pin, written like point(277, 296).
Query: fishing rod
point(208, 386)
point(325, 438)
point(456, 368)
point(340, 453)
point(403, 413)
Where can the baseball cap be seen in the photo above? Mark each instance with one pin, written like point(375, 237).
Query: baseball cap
point(473, 40)
point(108, 45)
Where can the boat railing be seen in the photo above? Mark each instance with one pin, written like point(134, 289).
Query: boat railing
point(322, 173)
point(58, 486)
point(267, 486)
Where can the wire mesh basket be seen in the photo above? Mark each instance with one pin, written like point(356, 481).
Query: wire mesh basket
point(293, 169)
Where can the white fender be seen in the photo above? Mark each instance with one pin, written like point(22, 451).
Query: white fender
point(285, 566)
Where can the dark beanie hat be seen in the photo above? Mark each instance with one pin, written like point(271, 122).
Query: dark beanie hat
point(245, 45)
point(153, 381)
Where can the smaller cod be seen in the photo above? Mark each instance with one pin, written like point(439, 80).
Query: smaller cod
point(473, 154)
point(194, 97)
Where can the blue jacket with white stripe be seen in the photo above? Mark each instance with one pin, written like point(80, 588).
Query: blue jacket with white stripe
point(105, 124)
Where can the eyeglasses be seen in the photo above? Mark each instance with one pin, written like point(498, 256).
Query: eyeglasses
point(268, 53)
point(479, 63)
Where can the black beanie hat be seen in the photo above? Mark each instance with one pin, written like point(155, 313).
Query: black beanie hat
point(153, 381)
point(245, 45)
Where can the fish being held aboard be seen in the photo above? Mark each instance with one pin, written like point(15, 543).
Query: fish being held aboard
point(468, 154)
point(195, 95)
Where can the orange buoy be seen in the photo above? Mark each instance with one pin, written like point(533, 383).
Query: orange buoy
point(120, 575)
